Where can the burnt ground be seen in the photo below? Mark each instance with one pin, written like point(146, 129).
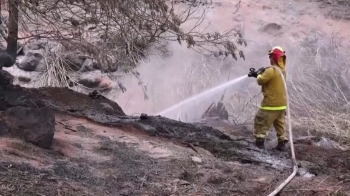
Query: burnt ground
point(98, 150)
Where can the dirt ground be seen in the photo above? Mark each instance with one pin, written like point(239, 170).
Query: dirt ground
point(99, 150)
point(126, 155)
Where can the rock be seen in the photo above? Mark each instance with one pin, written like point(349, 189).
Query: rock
point(325, 143)
point(74, 22)
point(266, 7)
point(34, 125)
point(95, 95)
point(87, 65)
point(184, 182)
point(24, 79)
point(90, 65)
point(96, 65)
point(53, 46)
point(238, 18)
point(271, 28)
point(35, 45)
point(6, 60)
point(110, 69)
point(321, 142)
point(41, 44)
point(90, 82)
point(143, 116)
point(100, 83)
point(196, 159)
point(7, 79)
point(75, 61)
point(31, 61)
point(106, 84)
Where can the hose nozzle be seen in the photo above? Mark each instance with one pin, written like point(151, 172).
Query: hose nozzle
point(252, 73)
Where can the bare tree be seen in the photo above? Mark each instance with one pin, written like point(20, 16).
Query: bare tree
point(11, 39)
point(117, 33)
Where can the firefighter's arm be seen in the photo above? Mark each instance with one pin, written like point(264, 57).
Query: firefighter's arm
point(266, 76)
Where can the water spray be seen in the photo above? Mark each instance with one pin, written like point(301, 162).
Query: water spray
point(203, 94)
point(294, 161)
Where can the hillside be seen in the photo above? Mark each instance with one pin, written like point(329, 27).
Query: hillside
point(56, 141)
point(105, 152)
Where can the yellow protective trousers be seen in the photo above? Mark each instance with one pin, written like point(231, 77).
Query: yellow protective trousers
point(263, 121)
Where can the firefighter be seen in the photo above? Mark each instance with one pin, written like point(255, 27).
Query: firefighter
point(274, 104)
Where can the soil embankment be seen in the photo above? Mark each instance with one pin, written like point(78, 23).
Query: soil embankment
point(98, 150)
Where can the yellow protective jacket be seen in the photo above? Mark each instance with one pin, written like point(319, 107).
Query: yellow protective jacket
point(273, 88)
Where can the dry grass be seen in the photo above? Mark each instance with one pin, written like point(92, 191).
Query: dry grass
point(61, 71)
point(57, 73)
point(319, 88)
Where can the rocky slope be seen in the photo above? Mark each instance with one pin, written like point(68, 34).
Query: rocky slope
point(98, 150)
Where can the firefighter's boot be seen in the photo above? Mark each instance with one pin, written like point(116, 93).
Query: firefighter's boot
point(260, 143)
point(281, 146)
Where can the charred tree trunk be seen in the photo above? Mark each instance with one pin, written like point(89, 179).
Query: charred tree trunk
point(13, 28)
point(1, 30)
point(1, 2)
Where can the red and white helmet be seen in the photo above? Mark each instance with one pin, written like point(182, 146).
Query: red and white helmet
point(276, 53)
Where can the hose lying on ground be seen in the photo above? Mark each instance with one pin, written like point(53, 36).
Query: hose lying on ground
point(294, 161)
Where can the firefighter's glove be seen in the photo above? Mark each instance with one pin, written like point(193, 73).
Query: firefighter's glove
point(260, 70)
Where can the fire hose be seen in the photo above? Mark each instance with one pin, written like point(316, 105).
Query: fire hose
point(294, 161)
